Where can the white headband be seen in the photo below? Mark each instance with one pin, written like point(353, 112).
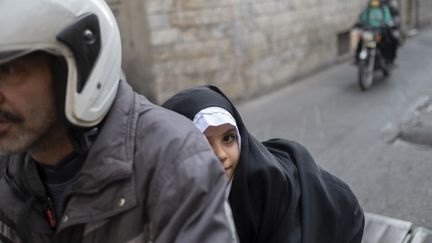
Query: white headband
point(215, 116)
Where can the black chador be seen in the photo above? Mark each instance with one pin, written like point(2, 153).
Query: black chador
point(279, 194)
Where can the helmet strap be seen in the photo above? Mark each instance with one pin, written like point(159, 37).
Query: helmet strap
point(82, 139)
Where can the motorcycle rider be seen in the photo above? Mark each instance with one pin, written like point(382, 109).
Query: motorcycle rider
point(393, 5)
point(83, 157)
point(377, 15)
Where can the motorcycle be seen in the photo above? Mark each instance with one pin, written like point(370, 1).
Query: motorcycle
point(370, 58)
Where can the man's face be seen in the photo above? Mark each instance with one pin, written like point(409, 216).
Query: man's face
point(375, 3)
point(27, 109)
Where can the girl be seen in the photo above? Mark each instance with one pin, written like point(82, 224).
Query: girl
point(277, 193)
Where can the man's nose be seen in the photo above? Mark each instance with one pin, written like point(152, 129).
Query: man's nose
point(2, 96)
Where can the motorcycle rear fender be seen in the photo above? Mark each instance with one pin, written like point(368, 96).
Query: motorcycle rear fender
point(363, 55)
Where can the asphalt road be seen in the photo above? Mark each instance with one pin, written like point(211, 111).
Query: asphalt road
point(354, 134)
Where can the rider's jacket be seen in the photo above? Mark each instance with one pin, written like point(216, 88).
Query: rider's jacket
point(376, 17)
point(150, 176)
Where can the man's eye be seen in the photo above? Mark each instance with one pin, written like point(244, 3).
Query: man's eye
point(6, 69)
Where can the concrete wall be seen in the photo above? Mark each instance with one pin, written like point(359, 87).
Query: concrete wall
point(137, 58)
point(245, 47)
point(415, 13)
point(425, 12)
point(408, 13)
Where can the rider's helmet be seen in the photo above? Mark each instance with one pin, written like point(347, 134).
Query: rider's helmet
point(84, 37)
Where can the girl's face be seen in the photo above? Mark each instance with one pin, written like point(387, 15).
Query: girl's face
point(224, 142)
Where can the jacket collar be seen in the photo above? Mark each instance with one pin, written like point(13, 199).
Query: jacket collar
point(111, 156)
point(105, 186)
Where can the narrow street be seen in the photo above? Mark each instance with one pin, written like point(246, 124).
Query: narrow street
point(366, 138)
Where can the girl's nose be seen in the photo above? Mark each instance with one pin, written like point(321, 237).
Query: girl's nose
point(220, 153)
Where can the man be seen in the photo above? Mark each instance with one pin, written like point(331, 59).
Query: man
point(394, 8)
point(377, 15)
point(83, 157)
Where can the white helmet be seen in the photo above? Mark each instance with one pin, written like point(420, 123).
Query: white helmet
point(84, 34)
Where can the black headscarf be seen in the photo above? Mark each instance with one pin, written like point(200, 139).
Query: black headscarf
point(279, 194)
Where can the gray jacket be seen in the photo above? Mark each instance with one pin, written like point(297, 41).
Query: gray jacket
point(150, 176)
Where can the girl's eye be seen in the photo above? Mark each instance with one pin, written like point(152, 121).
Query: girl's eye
point(229, 138)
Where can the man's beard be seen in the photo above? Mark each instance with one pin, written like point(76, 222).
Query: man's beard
point(26, 134)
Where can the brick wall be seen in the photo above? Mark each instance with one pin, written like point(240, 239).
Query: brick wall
point(244, 46)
